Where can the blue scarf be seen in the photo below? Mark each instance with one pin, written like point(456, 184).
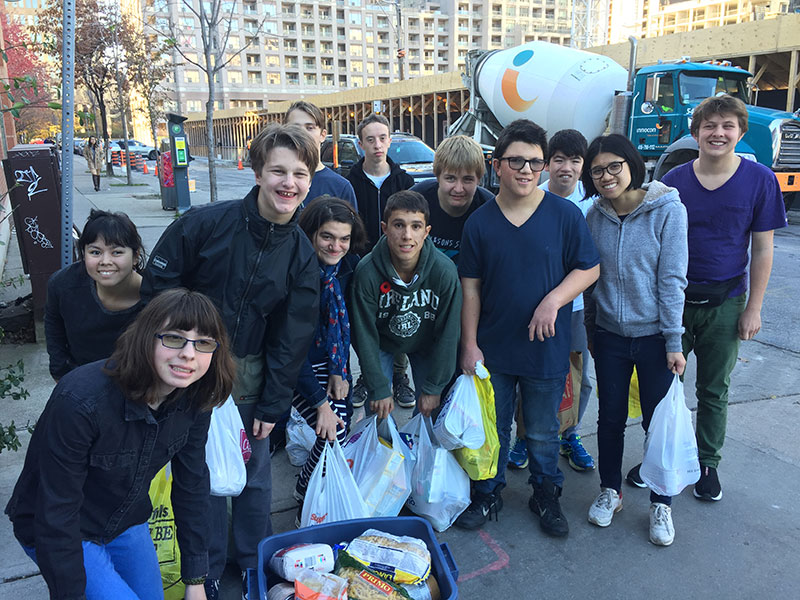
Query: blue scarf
point(334, 324)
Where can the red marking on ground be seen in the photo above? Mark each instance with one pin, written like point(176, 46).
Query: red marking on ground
point(500, 563)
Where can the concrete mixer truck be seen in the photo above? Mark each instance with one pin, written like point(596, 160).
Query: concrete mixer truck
point(560, 87)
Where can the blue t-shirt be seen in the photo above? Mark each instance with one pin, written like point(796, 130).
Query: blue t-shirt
point(518, 267)
point(328, 182)
point(721, 220)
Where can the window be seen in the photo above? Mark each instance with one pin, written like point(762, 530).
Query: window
point(273, 61)
point(193, 106)
point(310, 79)
point(234, 77)
point(253, 60)
point(254, 77)
point(274, 78)
point(355, 35)
point(355, 18)
point(191, 76)
point(234, 60)
point(356, 51)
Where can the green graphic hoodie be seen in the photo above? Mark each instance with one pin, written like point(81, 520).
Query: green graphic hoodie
point(423, 318)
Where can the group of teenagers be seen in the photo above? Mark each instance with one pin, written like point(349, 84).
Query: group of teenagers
point(262, 298)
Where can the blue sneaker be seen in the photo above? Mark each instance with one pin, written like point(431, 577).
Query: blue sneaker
point(518, 455)
point(579, 458)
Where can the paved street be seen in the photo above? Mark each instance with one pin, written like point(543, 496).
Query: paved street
point(742, 547)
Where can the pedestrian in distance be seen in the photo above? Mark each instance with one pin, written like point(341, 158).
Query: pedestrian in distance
point(92, 301)
point(633, 312)
point(250, 257)
point(524, 257)
point(81, 504)
point(323, 388)
point(95, 156)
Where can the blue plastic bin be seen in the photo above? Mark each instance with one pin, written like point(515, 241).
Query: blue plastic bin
point(443, 567)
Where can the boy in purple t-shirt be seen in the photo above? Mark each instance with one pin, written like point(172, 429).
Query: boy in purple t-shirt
point(729, 201)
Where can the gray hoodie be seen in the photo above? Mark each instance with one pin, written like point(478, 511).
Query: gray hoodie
point(643, 262)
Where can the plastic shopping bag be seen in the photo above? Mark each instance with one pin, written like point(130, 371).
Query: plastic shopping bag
point(300, 439)
point(332, 493)
point(634, 406)
point(569, 409)
point(670, 450)
point(482, 462)
point(377, 466)
point(459, 423)
point(162, 531)
point(225, 450)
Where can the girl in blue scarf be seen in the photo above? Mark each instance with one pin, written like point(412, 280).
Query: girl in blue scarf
point(323, 390)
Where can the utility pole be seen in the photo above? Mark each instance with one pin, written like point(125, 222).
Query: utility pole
point(401, 53)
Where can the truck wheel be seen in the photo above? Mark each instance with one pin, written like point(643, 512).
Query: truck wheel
point(674, 159)
point(789, 199)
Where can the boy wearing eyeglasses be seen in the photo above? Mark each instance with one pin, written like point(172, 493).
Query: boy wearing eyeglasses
point(524, 257)
point(250, 257)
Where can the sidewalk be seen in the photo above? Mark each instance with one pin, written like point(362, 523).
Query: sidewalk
point(738, 548)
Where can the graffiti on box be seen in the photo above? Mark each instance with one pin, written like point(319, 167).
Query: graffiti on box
point(32, 178)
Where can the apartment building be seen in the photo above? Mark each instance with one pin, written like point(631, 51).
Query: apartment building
point(293, 48)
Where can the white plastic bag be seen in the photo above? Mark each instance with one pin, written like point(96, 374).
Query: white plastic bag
point(300, 439)
point(332, 493)
point(459, 424)
point(440, 487)
point(670, 451)
point(227, 441)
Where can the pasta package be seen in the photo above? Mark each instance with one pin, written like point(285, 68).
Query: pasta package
point(366, 584)
point(310, 585)
point(399, 559)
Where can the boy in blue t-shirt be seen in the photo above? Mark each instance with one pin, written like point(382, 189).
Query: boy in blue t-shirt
point(524, 257)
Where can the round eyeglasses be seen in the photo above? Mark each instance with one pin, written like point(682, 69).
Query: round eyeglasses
point(174, 341)
point(613, 168)
point(518, 163)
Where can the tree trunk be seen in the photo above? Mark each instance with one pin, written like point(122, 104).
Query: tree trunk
point(101, 106)
point(212, 165)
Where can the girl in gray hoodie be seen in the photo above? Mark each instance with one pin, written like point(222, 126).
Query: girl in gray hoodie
point(634, 312)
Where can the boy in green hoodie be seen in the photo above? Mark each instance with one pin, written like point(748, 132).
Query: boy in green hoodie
point(406, 298)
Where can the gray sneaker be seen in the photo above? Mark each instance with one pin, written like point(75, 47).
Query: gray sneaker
point(604, 506)
point(662, 532)
point(402, 392)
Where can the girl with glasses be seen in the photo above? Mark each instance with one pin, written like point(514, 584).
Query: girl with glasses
point(90, 302)
point(634, 312)
point(81, 505)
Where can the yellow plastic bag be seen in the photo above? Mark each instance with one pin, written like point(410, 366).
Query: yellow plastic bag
point(634, 407)
point(162, 530)
point(482, 462)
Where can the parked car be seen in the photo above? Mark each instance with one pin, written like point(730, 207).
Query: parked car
point(408, 151)
point(135, 147)
point(79, 144)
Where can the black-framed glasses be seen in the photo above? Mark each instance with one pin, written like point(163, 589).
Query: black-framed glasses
point(613, 168)
point(174, 341)
point(518, 163)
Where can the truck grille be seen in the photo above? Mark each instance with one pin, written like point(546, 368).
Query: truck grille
point(789, 155)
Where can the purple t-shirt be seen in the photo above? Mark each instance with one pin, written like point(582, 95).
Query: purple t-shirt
point(721, 220)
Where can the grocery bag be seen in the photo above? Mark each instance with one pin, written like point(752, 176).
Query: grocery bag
point(226, 447)
point(332, 493)
point(482, 462)
point(300, 439)
point(459, 423)
point(440, 487)
point(634, 406)
point(377, 466)
point(162, 531)
point(569, 409)
point(670, 451)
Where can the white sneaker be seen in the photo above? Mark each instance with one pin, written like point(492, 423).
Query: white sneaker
point(605, 505)
point(662, 533)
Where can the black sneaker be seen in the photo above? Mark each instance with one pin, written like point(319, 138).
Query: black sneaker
point(633, 478)
point(480, 510)
point(708, 488)
point(359, 396)
point(402, 392)
point(544, 502)
point(245, 587)
point(212, 589)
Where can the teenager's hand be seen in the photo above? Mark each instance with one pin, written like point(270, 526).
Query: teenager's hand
point(543, 323)
point(382, 408)
point(195, 592)
point(261, 429)
point(338, 387)
point(469, 356)
point(749, 323)
point(327, 422)
point(676, 362)
point(428, 403)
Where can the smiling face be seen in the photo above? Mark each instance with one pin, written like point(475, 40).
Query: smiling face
point(332, 241)
point(405, 235)
point(179, 368)
point(565, 173)
point(375, 141)
point(518, 183)
point(456, 191)
point(284, 181)
point(718, 135)
point(108, 265)
point(610, 186)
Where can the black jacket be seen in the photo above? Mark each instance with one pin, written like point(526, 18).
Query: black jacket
point(263, 278)
point(87, 476)
point(372, 201)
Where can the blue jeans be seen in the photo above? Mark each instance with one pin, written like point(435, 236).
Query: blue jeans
point(614, 359)
point(578, 336)
point(540, 401)
point(126, 568)
point(419, 371)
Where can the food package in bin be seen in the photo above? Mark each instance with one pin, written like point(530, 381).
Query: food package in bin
point(366, 584)
point(287, 562)
point(401, 559)
point(281, 591)
point(427, 590)
point(310, 585)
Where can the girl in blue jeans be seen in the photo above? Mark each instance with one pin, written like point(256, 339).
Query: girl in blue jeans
point(81, 505)
point(634, 312)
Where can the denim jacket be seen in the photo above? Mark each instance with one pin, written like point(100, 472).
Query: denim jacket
point(87, 476)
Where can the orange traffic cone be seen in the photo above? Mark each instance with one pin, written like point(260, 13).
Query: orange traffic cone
point(145, 169)
point(155, 169)
point(240, 167)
